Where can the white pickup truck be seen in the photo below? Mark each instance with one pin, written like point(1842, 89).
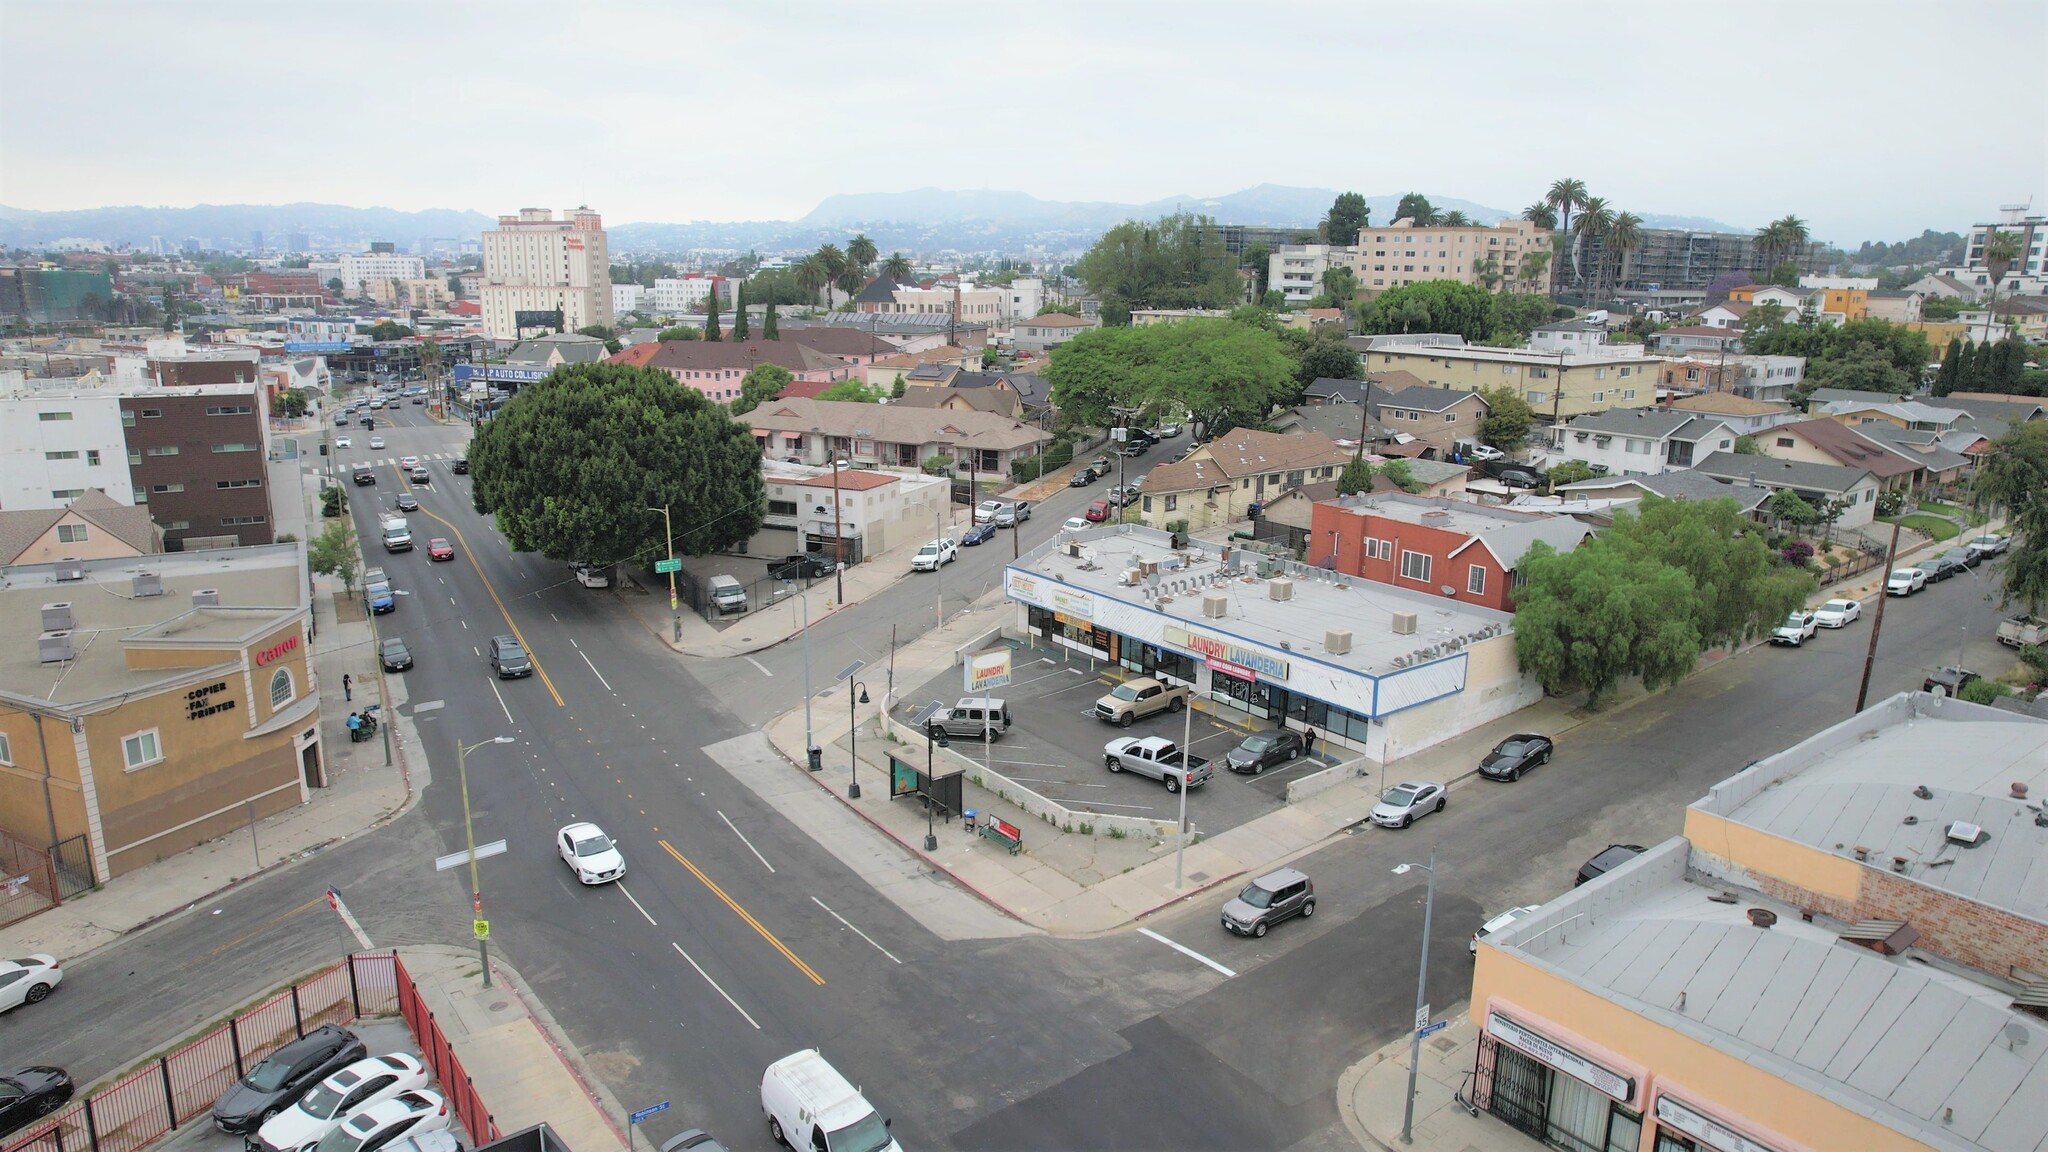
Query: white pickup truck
point(1159, 758)
point(2021, 630)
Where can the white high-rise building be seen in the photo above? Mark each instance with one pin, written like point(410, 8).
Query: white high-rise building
point(358, 269)
point(534, 262)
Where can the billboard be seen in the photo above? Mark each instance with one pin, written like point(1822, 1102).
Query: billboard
point(987, 670)
point(551, 318)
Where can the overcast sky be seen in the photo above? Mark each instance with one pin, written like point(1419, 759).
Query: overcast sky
point(1871, 119)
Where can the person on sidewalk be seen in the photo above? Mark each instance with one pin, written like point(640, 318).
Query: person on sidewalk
point(1308, 741)
point(348, 688)
point(355, 724)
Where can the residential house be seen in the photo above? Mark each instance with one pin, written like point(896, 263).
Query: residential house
point(555, 351)
point(1335, 390)
point(1001, 401)
point(962, 302)
point(1296, 270)
point(1900, 307)
point(1839, 305)
point(1941, 285)
point(1558, 382)
point(1726, 314)
point(908, 331)
point(94, 526)
point(1940, 465)
point(1044, 333)
point(1742, 415)
point(1443, 479)
point(1856, 488)
point(849, 514)
point(1313, 319)
point(1681, 484)
point(891, 435)
point(1344, 424)
point(1286, 519)
point(1221, 481)
point(1637, 441)
point(1825, 441)
point(857, 348)
point(2023, 316)
point(1440, 417)
point(715, 368)
point(883, 370)
point(1447, 548)
point(1792, 300)
point(1570, 336)
point(1925, 415)
point(1695, 338)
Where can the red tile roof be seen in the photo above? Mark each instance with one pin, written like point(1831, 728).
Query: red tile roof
point(637, 356)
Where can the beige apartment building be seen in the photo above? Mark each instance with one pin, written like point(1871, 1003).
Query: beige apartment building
point(534, 262)
point(1556, 384)
point(1402, 253)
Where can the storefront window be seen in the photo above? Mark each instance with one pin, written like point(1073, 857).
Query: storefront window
point(1152, 660)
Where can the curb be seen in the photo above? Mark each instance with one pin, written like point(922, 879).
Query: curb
point(662, 636)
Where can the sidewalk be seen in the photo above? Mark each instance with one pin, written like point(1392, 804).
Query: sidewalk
point(365, 788)
point(1372, 1092)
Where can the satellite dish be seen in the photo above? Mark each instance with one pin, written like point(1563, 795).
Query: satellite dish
point(2017, 1035)
point(1447, 590)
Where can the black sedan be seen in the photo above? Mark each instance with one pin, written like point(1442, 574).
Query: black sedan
point(1514, 756)
point(285, 1075)
point(460, 466)
point(1262, 750)
point(1082, 478)
point(396, 656)
point(32, 1094)
point(1939, 568)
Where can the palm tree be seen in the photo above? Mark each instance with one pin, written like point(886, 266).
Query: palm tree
point(896, 267)
point(851, 281)
point(2001, 252)
point(1452, 219)
point(1541, 214)
point(1624, 236)
point(1533, 264)
point(1595, 219)
point(812, 274)
point(861, 251)
point(1565, 195)
point(1792, 234)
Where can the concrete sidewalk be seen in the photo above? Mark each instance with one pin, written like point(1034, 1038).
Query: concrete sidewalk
point(1372, 1092)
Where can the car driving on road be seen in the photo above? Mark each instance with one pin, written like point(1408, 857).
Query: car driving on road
point(590, 854)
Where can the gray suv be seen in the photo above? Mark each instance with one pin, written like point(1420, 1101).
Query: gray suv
point(1268, 900)
point(508, 658)
point(973, 716)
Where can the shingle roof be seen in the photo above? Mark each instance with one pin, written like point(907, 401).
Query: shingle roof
point(1429, 399)
point(1510, 542)
point(1336, 390)
point(1776, 473)
point(839, 341)
point(1728, 404)
point(1925, 447)
point(715, 355)
point(1700, 330)
point(1850, 447)
point(1679, 484)
point(880, 290)
point(130, 525)
point(1659, 423)
point(1246, 452)
point(1992, 415)
point(998, 400)
point(572, 347)
point(896, 423)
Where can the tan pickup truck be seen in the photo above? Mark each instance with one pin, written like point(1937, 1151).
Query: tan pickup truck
point(1139, 697)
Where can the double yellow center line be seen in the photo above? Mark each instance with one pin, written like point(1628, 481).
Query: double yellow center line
point(743, 914)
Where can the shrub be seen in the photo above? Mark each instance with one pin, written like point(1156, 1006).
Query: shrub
point(939, 465)
point(1799, 553)
point(1983, 691)
point(1890, 502)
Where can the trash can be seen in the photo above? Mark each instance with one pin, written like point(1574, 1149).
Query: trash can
point(967, 817)
point(817, 758)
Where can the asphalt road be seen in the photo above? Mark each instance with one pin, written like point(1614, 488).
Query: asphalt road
point(736, 938)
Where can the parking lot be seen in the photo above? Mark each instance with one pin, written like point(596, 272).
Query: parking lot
point(1054, 746)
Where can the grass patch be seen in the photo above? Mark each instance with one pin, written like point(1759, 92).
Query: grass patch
point(1934, 526)
point(1969, 516)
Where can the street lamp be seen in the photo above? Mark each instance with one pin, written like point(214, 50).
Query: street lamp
point(476, 891)
point(1421, 994)
point(853, 735)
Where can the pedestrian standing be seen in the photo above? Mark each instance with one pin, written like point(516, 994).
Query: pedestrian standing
point(348, 688)
point(1308, 741)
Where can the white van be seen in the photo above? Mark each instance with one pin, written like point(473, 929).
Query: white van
point(397, 536)
point(812, 1108)
point(728, 594)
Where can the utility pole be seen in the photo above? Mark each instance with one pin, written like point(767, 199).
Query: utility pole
point(838, 537)
point(675, 615)
point(1877, 621)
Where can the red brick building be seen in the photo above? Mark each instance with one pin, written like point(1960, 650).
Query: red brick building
point(1449, 548)
point(197, 458)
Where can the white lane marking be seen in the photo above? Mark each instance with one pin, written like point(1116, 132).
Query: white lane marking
point(349, 919)
point(465, 623)
point(594, 672)
point(758, 664)
point(747, 842)
point(572, 640)
point(429, 706)
point(1186, 951)
point(714, 984)
point(493, 682)
point(636, 903)
point(1061, 783)
point(856, 931)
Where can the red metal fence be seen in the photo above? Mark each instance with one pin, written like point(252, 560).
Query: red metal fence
point(28, 880)
point(180, 1087)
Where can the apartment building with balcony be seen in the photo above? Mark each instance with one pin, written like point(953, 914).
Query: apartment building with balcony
point(1391, 255)
point(536, 262)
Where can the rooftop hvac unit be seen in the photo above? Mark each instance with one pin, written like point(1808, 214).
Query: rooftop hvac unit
point(1279, 589)
point(1073, 550)
point(66, 573)
point(206, 598)
point(1149, 567)
point(1337, 642)
point(1404, 623)
point(1130, 577)
point(53, 647)
point(57, 616)
point(1215, 605)
point(147, 584)
point(1267, 568)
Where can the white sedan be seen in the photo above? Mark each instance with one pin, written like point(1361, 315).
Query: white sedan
point(1836, 613)
point(343, 442)
point(406, 1114)
point(1075, 524)
point(348, 1091)
point(1406, 803)
point(1905, 581)
point(1796, 630)
point(933, 554)
point(1497, 923)
point(590, 853)
point(1483, 452)
point(408, 462)
point(28, 980)
point(376, 441)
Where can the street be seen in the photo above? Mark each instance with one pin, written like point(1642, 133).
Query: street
point(736, 937)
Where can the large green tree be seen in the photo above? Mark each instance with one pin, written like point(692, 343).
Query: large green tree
point(860, 252)
point(1177, 261)
point(1340, 284)
point(680, 332)
point(1356, 477)
point(1322, 356)
point(1348, 214)
point(572, 464)
point(1223, 373)
point(1258, 260)
point(852, 392)
point(739, 316)
point(711, 331)
point(1431, 306)
point(2015, 477)
point(1416, 207)
point(762, 383)
point(605, 333)
point(1508, 420)
point(1587, 618)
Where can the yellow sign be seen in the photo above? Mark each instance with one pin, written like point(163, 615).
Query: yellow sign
point(483, 929)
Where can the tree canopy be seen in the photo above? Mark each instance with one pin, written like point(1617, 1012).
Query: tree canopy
point(2015, 476)
point(762, 383)
point(1855, 354)
point(604, 333)
point(1225, 374)
point(1508, 420)
point(1430, 306)
point(1177, 261)
point(1348, 214)
point(853, 392)
point(572, 464)
point(680, 332)
point(1415, 206)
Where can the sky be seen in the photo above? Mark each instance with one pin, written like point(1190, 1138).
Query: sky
point(1870, 119)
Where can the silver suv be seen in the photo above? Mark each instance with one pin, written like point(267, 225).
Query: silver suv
point(1268, 900)
point(973, 718)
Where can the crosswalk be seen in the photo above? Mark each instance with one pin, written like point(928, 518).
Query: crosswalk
point(383, 461)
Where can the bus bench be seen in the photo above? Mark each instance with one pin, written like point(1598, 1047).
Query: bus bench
point(1004, 833)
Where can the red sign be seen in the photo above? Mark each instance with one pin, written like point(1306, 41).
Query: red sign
point(277, 651)
point(1229, 669)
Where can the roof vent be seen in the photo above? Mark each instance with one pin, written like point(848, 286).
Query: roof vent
point(57, 616)
point(53, 647)
point(66, 573)
point(1279, 588)
point(1216, 605)
point(147, 584)
point(206, 598)
point(1923, 792)
point(1965, 833)
point(2019, 791)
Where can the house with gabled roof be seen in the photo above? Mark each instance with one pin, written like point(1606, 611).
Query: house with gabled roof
point(1856, 488)
point(1824, 441)
point(891, 435)
point(1448, 548)
point(1440, 417)
point(94, 526)
point(1221, 481)
point(1681, 484)
point(1743, 415)
point(1637, 441)
point(716, 367)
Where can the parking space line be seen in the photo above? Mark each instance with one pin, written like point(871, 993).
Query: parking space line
point(1186, 951)
point(1062, 783)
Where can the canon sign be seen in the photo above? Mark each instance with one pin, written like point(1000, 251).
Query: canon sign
point(277, 651)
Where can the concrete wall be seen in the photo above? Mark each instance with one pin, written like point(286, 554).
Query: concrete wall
point(1494, 687)
point(1052, 812)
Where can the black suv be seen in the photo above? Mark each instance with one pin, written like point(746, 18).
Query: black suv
point(276, 1084)
point(802, 565)
point(1947, 681)
point(364, 474)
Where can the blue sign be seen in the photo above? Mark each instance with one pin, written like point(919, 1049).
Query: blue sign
point(1436, 1027)
point(644, 1113)
point(317, 345)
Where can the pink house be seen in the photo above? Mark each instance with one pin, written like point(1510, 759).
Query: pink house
point(716, 368)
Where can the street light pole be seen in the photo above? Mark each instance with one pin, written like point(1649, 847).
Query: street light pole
point(812, 752)
point(675, 615)
point(1421, 996)
point(856, 694)
point(476, 891)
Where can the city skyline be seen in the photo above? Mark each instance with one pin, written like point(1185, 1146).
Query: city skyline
point(1478, 101)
